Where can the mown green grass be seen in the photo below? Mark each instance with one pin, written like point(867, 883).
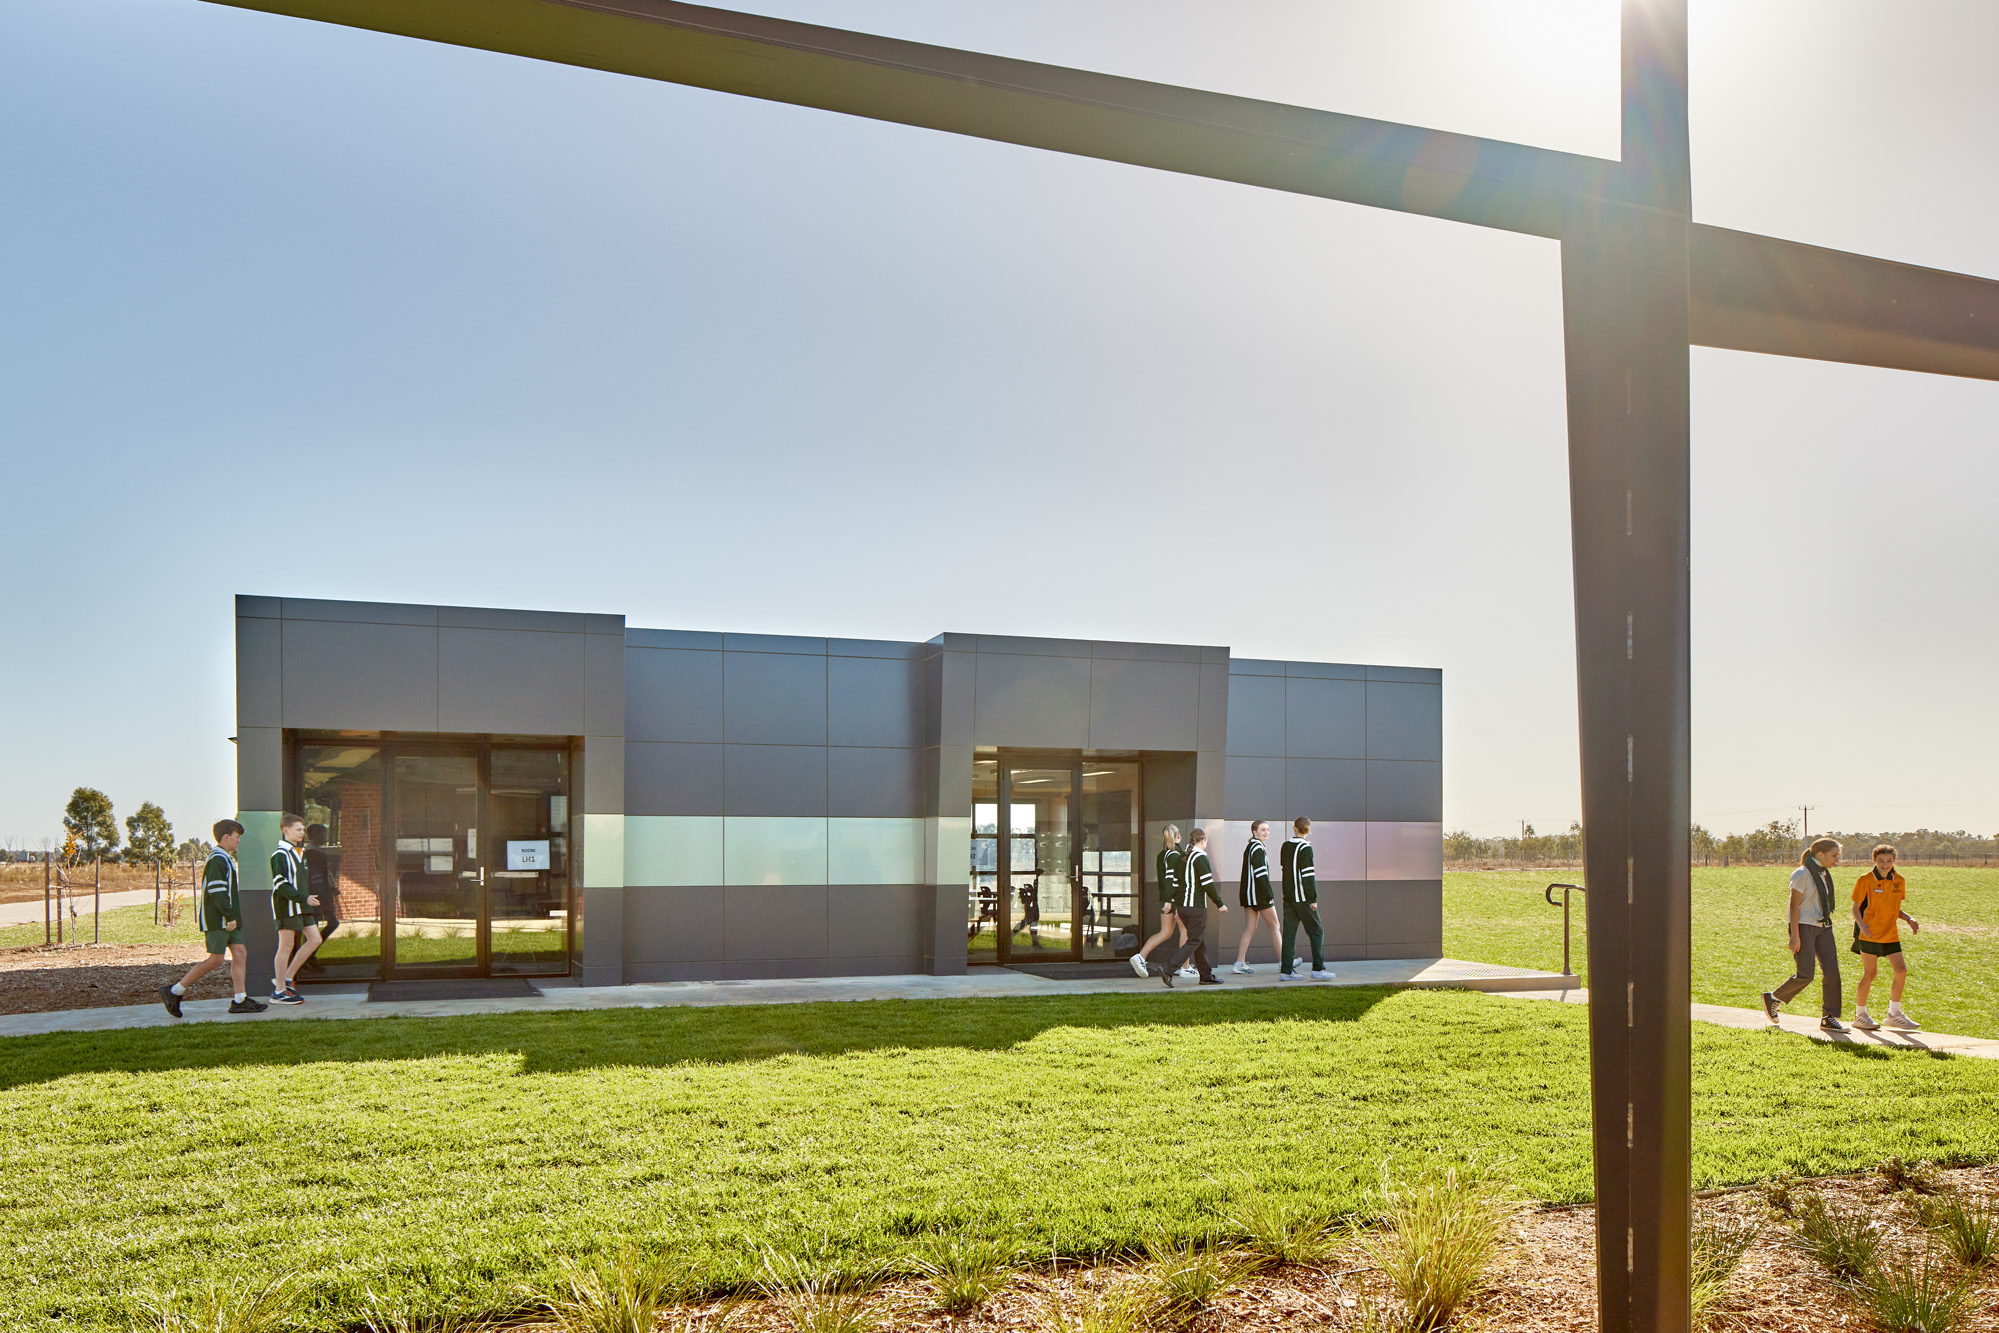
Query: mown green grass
point(455, 1161)
point(119, 925)
point(1739, 948)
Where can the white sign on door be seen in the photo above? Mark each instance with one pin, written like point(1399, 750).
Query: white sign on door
point(527, 855)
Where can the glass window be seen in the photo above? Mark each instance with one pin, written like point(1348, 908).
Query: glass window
point(341, 800)
point(527, 814)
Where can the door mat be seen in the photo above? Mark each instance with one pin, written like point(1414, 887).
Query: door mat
point(454, 988)
point(1092, 971)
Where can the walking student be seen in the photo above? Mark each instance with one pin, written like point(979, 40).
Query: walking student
point(1168, 866)
point(1301, 903)
point(1259, 904)
point(219, 913)
point(1877, 907)
point(320, 884)
point(1811, 936)
point(292, 902)
point(1197, 880)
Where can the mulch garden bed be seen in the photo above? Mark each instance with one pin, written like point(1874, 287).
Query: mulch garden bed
point(40, 979)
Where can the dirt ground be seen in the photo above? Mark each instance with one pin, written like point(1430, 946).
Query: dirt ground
point(1544, 1284)
point(37, 980)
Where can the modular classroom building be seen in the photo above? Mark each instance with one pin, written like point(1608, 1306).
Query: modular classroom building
point(533, 793)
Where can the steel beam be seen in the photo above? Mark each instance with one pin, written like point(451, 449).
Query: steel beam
point(1457, 176)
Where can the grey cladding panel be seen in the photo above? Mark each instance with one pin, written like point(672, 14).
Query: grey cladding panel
point(892, 648)
point(766, 921)
point(675, 925)
point(773, 698)
point(1143, 705)
point(1325, 719)
point(374, 613)
point(1405, 721)
point(486, 617)
point(1255, 789)
point(525, 682)
point(1405, 791)
point(603, 776)
point(1342, 909)
point(874, 701)
point(267, 608)
point(259, 673)
point(1256, 715)
point(1325, 789)
point(260, 768)
point(673, 638)
point(1010, 643)
point(1416, 675)
point(1032, 701)
point(869, 920)
point(673, 694)
point(603, 684)
point(675, 779)
point(1214, 734)
point(1405, 911)
point(787, 780)
point(873, 784)
point(348, 676)
point(773, 643)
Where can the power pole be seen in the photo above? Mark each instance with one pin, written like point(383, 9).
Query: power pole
point(1808, 819)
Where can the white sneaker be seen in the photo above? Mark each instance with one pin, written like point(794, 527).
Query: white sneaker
point(1242, 969)
point(1287, 976)
point(1901, 1022)
point(1138, 965)
point(1323, 974)
point(1297, 965)
point(1865, 1021)
point(1188, 971)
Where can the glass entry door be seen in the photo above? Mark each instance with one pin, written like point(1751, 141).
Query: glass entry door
point(1053, 837)
point(440, 881)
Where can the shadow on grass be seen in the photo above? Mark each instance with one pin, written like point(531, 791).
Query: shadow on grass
point(660, 1038)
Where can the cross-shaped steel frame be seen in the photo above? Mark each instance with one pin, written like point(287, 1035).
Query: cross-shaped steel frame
point(1640, 282)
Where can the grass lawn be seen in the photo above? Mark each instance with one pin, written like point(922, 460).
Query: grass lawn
point(1739, 937)
point(454, 1161)
point(120, 925)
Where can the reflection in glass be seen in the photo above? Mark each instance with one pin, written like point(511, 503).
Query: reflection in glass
point(341, 790)
point(1110, 819)
point(528, 883)
point(1039, 871)
point(982, 905)
point(437, 862)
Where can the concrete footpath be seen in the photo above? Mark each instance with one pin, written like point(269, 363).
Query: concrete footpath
point(560, 996)
point(1752, 1020)
point(30, 912)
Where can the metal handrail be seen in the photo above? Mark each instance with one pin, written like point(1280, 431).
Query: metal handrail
point(1549, 894)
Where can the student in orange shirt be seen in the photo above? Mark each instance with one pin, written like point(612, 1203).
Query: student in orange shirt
point(1877, 906)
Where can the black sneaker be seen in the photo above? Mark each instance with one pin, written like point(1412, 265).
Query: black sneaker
point(246, 1006)
point(1770, 1007)
point(1831, 1024)
point(1167, 977)
point(287, 996)
point(170, 1000)
point(1211, 981)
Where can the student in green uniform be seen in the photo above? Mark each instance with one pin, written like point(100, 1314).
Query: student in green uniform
point(292, 903)
point(1257, 899)
point(1197, 879)
point(1301, 902)
point(219, 913)
point(1168, 867)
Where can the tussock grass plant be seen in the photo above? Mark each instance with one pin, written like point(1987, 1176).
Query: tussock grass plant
point(1844, 1240)
point(1968, 1227)
point(1718, 1247)
point(964, 1269)
point(1184, 1277)
point(1285, 1233)
point(1917, 1294)
point(1104, 1307)
point(383, 1316)
point(1912, 1177)
point(617, 1293)
point(223, 1307)
point(1445, 1228)
point(1779, 1194)
point(836, 1300)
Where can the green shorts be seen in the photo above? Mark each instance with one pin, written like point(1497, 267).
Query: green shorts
point(1878, 950)
point(220, 940)
point(297, 923)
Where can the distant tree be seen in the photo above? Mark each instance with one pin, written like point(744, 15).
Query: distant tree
point(1701, 844)
point(89, 821)
point(1460, 845)
point(149, 838)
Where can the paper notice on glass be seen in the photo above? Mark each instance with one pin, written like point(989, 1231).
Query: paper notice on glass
point(527, 855)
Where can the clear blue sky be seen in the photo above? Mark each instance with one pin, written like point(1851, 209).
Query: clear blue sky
point(287, 308)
